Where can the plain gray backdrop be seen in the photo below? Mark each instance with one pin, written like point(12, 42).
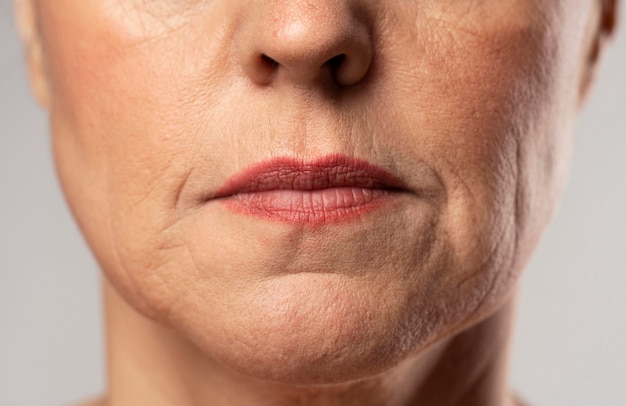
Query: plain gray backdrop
point(570, 341)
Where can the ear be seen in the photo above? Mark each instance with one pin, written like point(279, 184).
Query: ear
point(27, 27)
point(605, 27)
point(601, 29)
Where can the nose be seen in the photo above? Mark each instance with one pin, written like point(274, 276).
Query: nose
point(305, 43)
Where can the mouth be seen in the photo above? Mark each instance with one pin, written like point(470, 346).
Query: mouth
point(329, 189)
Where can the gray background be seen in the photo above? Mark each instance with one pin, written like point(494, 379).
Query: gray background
point(570, 343)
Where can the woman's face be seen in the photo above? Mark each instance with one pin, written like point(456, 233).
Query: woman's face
point(192, 138)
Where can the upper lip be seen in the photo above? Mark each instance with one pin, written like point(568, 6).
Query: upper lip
point(287, 173)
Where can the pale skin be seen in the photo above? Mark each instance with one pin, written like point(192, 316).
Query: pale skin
point(154, 104)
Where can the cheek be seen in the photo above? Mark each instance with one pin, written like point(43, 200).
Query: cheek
point(481, 109)
point(114, 147)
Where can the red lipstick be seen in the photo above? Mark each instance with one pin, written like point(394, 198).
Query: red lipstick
point(328, 189)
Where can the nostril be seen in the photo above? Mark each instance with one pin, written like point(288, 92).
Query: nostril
point(295, 44)
point(269, 61)
point(336, 61)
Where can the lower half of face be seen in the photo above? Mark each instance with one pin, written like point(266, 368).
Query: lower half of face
point(294, 227)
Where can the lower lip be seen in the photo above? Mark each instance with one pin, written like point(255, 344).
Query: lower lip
point(312, 207)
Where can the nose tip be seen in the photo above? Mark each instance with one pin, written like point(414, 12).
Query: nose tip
point(303, 43)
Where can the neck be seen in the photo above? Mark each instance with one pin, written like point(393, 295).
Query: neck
point(148, 364)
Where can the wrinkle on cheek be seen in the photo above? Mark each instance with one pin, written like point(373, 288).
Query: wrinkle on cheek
point(143, 21)
point(484, 85)
point(154, 262)
point(486, 19)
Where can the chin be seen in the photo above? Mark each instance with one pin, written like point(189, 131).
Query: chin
point(323, 306)
point(315, 329)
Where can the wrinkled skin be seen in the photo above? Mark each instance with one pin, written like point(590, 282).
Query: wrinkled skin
point(154, 104)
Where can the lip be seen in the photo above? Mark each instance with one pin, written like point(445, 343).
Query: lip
point(328, 189)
